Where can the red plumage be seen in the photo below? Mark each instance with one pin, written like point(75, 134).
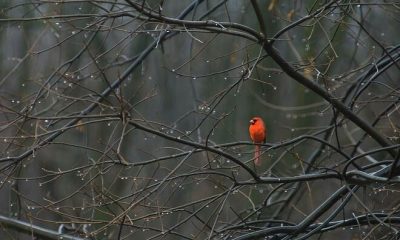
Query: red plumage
point(258, 133)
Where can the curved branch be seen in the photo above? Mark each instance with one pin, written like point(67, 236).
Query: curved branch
point(196, 145)
point(289, 70)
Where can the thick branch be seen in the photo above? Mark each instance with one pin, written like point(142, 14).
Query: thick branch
point(28, 228)
point(289, 70)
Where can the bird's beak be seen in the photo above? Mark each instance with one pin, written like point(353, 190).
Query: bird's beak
point(252, 121)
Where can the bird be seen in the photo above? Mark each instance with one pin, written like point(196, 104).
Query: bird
point(258, 133)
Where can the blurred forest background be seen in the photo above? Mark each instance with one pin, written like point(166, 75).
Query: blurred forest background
point(124, 119)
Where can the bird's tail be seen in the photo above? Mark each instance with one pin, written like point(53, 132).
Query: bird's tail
point(257, 154)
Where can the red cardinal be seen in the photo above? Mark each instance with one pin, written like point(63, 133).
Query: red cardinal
point(258, 133)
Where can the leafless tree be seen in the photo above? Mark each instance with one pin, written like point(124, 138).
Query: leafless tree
point(126, 119)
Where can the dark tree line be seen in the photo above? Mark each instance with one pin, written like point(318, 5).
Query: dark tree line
point(128, 119)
